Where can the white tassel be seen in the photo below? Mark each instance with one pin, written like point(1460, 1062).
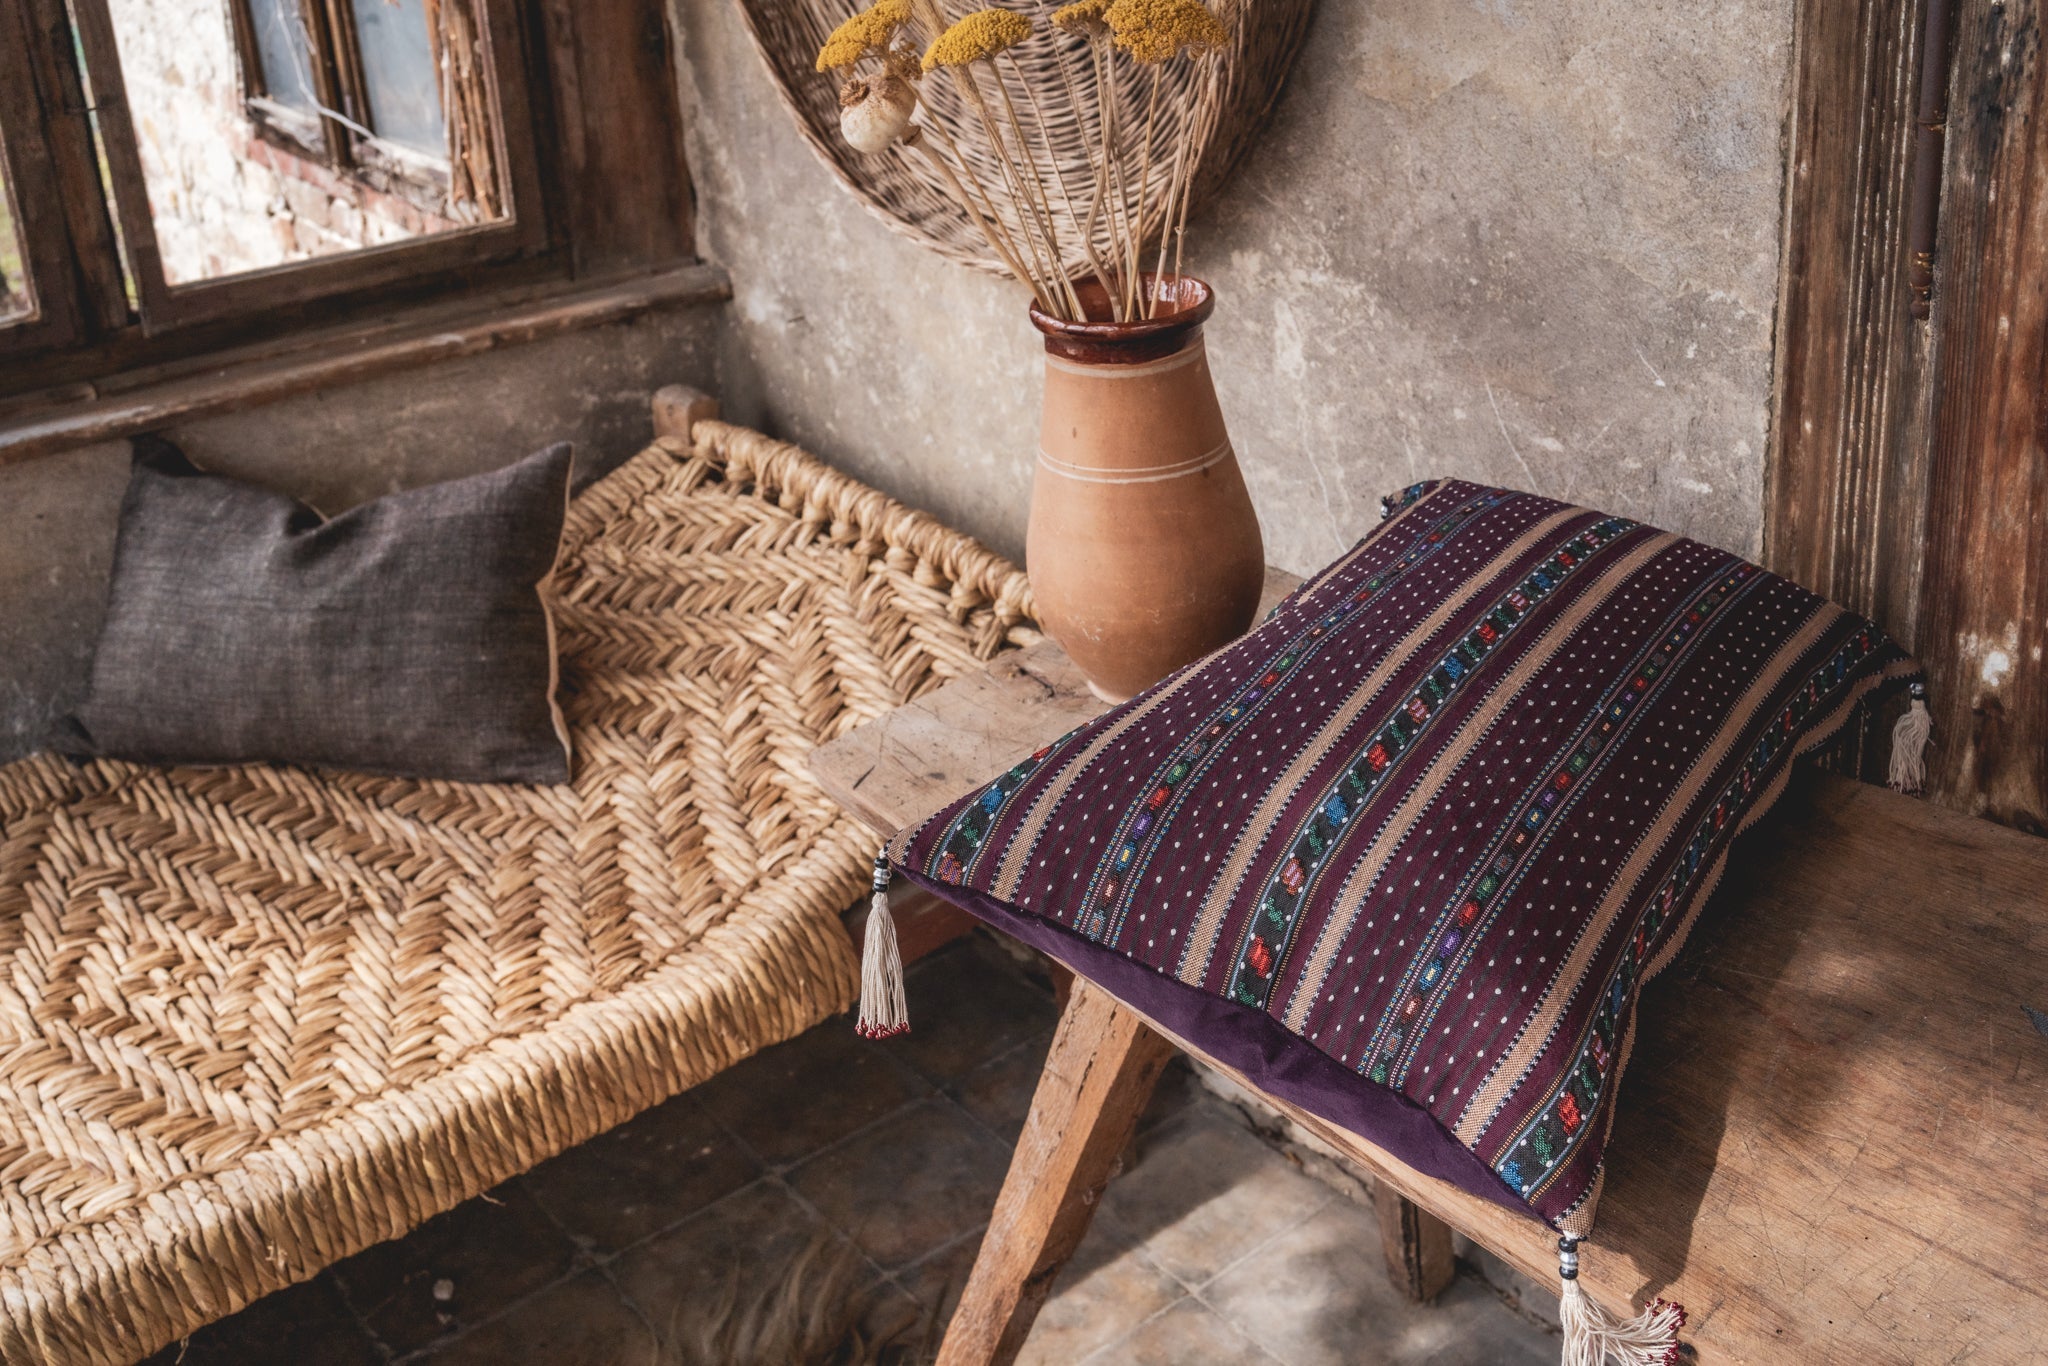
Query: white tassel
point(1592, 1338)
point(883, 1010)
point(1909, 744)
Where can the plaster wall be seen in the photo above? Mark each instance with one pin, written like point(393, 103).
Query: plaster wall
point(332, 447)
point(1532, 244)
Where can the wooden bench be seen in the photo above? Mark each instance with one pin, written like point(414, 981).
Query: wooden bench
point(1832, 1142)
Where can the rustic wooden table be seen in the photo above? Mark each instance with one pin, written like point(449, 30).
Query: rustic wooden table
point(1832, 1143)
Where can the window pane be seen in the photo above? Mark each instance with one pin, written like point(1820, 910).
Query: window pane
point(398, 69)
point(16, 301)
point(228, 194)
point(284, 52)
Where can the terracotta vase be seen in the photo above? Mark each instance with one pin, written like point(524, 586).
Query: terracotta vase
point(1143, 549)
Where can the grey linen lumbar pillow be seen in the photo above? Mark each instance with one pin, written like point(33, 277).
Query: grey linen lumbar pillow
point(409, 636)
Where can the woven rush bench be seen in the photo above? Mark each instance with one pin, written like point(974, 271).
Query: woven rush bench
point(255, 1019)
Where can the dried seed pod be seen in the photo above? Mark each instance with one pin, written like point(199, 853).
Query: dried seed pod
point(875, 112)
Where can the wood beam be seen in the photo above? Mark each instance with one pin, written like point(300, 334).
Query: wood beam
point(1097, 1080)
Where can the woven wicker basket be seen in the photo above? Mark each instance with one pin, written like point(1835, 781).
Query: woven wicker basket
point(910, 198)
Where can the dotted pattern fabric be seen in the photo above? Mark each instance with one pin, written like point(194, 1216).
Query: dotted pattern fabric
point(1444, 812)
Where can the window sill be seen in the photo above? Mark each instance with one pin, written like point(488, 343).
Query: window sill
point(139, 401)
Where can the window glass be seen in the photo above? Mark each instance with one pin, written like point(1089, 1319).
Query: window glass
point(284, 52)
point(398, 70)
point(227, 194)
point(16, 300)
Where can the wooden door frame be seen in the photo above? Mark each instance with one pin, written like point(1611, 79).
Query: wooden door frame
point(1905, 477)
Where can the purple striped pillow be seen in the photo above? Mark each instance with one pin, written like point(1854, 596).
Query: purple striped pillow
point(1407, 852)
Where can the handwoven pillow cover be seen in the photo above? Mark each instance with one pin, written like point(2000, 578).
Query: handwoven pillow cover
point(1407, 852)
point(409, 636)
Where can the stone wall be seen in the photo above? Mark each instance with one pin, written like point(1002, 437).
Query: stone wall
point(1530, 244)
point(224, 199)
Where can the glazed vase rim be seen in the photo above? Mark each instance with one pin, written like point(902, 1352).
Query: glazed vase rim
point(1106, 342)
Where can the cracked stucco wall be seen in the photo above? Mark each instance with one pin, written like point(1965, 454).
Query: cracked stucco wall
point(1528, 244)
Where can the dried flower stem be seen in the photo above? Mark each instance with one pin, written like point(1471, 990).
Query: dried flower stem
point(996, 243)
point(1173, 189)
point(1200, 126)
point(1119, 225)
point(1041, 205)
point(1012, 177)
point(1087, 232)
point(991, 226)
point(1137, 230)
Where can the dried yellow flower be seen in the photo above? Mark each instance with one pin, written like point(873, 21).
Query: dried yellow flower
point(977, 37)
point(868, 31)
point(1085, 17)
point(1157, 30)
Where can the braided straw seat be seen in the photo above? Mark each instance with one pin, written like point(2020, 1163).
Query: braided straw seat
point(255, 1019)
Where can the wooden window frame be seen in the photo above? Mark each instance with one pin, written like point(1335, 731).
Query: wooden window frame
point(164, 306)
point(53, 316)
point(598, 193)
point(280, 125)
point(340, 84)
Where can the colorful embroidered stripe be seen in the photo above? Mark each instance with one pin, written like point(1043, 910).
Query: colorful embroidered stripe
point(1532, 1159)
point(1492, 882)
point(955, 852)
point(1129, 851)
point(1279, 909)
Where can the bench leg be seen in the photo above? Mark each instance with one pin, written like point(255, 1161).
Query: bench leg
point(1097, 1080)
point(1417, 1245)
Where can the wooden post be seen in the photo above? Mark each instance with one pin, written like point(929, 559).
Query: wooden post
point(1097, 1080)
point(678, 408)
point(1417, 1245)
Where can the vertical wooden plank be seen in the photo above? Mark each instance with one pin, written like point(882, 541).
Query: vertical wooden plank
point(626, 187)
point(101, 296)
point(1846, 476)
point(131, 209)
point(1985, 613)
point(1097, 1079)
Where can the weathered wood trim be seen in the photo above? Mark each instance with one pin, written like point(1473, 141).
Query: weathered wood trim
point(1846, 474)
point(1098, 1077)
point(233, 381)
point(1984, 614)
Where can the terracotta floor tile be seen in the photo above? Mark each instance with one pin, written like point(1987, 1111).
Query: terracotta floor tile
point(998, 1093)
point(938, 1280)
point(305, 1324)
point(1320, 1297)
point(457, 1269)
point(969, 1003)
point(1104, 1294)
point(910, 1184)
point(789, 1101)
point(643, 1176)
point(578, 1322)
point(1185, 1334)
point(1205, 1191)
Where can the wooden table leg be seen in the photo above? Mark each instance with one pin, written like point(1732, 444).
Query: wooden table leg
point(1097, 1080)
point(1417, 1245)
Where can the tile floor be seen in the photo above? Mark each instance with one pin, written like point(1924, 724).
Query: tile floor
point(1215, 1247)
